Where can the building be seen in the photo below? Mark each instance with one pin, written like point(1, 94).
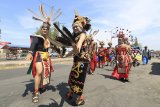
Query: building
point(10, 51)
point(2, 48)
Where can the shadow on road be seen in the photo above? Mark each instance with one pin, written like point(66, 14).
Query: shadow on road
point(62, 88)
point(110, 77)
point(52, 104)
point(107, 76)
point(30, 88)
point(111, 69)
point(155, 69)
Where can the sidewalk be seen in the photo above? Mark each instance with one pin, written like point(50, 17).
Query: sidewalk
point(13, 64)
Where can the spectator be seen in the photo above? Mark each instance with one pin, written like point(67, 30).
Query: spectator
point(145, 55)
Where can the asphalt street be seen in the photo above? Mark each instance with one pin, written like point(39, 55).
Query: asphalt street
point(100, 89)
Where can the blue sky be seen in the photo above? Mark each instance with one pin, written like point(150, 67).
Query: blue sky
point(140, 16)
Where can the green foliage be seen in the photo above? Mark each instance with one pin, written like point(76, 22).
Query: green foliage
point(136, 43)
point(52, 32)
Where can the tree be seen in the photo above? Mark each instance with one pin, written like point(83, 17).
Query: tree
point(52, 32)
point(136, 43)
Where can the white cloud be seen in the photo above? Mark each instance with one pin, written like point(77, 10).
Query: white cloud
point(17, 32)
point(133, 14)
point(101, 21)
point(152, 41)
point(141, 15)
point(16, 37)
point(104, 36)
point(136, 15)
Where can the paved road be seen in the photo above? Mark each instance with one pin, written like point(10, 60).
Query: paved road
point(100, 90)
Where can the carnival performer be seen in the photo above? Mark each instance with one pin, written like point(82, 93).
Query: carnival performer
point(41, 65)
point(121, 70)
point(92, 50)
point(136, 56)
point(129, 52)
point(101, 54)
point(110, 53)
point(81, 58)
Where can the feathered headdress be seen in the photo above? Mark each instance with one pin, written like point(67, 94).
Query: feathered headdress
point(46, 19)
point(122, 33)
point(83, 22)
point(101, 42)
point(66, 38)
point(92, 34)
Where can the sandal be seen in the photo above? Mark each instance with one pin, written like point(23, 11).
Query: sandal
point(35, 98)
point(78, 102)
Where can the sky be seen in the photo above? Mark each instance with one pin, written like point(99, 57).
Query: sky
point(139, 16)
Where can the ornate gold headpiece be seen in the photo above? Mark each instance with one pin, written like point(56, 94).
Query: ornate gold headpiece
point(81, 21)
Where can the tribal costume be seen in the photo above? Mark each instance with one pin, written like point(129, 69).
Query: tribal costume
point(121, 71)
point(92, 50)
point(136, 57)
point(41, 65)
point(101, 54)
point(129, 52)
point(40, 54)
point(78, 72)
point(109, 53)
point(81, 58)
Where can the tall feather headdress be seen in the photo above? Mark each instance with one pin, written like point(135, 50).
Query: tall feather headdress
point(66, 38)
point(46, 19)
point(92, 34)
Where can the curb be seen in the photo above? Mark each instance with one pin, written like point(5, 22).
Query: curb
point(23, 64)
